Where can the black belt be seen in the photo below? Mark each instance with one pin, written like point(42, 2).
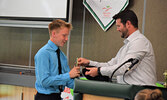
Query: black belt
point(58, 94)
point(52, 96)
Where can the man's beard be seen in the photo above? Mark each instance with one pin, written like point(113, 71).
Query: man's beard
point(124, 34)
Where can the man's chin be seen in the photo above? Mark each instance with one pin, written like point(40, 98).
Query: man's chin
point(122, 36)
point(62, 45)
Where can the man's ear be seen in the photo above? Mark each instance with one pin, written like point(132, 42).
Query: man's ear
point(128, 23)
point(53, 33)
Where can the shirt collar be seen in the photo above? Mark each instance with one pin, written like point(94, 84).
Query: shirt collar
point(132, 36)
point(52, 45)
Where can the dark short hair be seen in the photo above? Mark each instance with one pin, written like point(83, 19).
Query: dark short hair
point(127, 15)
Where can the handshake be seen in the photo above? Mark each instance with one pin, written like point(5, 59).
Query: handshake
point(75, 71)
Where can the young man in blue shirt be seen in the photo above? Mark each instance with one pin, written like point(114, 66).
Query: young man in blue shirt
point(51, 67)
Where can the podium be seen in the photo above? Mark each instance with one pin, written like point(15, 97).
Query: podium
point(97, 90)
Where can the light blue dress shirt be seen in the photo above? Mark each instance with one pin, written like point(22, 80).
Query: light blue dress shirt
point(46, 70)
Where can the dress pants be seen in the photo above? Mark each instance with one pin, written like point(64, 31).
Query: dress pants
point(53, 96)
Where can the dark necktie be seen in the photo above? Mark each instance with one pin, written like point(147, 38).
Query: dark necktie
point(59, 62)
point(59, 66)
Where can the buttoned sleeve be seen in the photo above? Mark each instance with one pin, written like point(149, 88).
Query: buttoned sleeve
point(104, 64)
point(135, 49)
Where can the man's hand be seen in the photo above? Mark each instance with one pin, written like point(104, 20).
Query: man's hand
point(75, 72)
point(83, 62)
point(92, 71)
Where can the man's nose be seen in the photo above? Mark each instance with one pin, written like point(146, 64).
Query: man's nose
point(117, 29)
point(66, 38)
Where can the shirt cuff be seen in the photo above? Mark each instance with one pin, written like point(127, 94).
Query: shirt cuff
point(92, 63)
point(103, 71)
point(67, 76)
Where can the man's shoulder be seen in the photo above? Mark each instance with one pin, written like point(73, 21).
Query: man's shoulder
point(43, 50)
point(139, 37)
point(142, 38)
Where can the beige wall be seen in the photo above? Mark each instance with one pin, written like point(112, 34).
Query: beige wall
point(156, 31)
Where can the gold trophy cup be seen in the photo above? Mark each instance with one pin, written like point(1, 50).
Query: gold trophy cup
point(165, 76)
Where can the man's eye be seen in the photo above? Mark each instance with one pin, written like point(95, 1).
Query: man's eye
point(64, 35)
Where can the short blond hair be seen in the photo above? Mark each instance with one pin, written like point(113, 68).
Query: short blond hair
point(58, 24)
point(148, 94)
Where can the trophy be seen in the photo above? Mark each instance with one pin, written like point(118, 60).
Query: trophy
point(165, 75)
point(76, 64)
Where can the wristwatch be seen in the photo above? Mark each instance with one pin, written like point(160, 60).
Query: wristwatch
point(98, 70)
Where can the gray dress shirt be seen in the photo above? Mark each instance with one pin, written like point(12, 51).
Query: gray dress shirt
point(135, 46)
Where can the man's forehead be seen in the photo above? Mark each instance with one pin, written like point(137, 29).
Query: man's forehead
point(118, 20)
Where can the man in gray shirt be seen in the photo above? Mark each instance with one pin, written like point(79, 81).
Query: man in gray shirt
point(136, 45)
